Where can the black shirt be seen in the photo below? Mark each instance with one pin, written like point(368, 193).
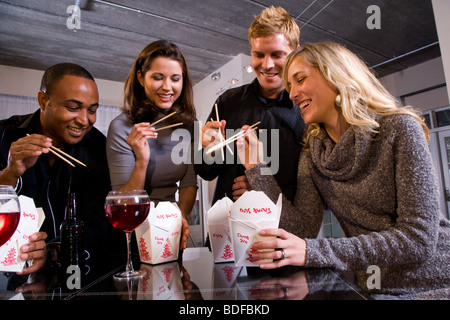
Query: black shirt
point(49, 185)
point(245, 105)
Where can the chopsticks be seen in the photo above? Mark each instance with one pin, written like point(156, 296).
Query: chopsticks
point(220, 135)
point(163, 118)
point(172, 125)
point(232, 138)
point(166, 127)
point(59, 153)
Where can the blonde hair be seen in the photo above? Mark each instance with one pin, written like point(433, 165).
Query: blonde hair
point(362, 94)
point(274, 21)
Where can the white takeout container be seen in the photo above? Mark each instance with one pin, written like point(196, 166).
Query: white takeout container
point(225, 280)
point(252, 212)
point(161, 282)
point(219, 230)
point(158, 237)
point(31, 219)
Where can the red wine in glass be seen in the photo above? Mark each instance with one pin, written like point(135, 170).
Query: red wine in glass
point(8, 225)
point(9, 213)
point(126, 210)
point(127, 217)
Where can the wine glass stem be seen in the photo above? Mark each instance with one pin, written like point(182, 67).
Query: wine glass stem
point(129, 267)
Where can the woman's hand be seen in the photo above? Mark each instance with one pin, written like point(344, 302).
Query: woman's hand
point(186, 202)
point(137, 140)
point(294, 287)
point(250, 149)
point(184, 233)
point(293, 247)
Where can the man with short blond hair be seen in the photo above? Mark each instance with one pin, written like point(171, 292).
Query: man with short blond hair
point(272, 36)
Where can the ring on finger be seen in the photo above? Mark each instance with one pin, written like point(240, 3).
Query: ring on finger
point(284, 255)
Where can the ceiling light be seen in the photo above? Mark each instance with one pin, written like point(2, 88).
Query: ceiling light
point(215, 76)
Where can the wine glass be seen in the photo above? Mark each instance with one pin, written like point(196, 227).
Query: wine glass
point(126, 210)
point(9, 213)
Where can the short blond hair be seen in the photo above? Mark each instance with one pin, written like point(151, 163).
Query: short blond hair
point(274, 21)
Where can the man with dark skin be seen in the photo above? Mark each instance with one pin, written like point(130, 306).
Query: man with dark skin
point(68, 102)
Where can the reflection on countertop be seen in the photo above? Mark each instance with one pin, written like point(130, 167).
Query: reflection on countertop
point(195, 276)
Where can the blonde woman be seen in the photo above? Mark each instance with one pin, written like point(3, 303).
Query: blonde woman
point(367, 159)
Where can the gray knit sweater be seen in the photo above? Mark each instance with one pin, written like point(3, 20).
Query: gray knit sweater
point(383, 190)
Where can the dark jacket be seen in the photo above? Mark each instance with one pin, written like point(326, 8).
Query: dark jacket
point(49, 185)
point(245, 105)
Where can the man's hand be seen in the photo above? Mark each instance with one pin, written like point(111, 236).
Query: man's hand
point(23, 154)
point(35, 250)
point(210, 132)
point(240, 185)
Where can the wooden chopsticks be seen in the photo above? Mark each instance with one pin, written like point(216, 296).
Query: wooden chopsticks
point(56, 150)
point(163, 118)
point(166, 127)
point(60, 154)
point(220, 133)
point(232, 138)
point(221, 136)
point(172, 125)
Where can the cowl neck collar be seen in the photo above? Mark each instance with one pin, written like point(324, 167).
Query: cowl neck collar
point(346, 158)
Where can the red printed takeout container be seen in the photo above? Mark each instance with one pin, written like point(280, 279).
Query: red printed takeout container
point(219, 230)
point(31, 219)
point(252, 212)
point(161, 282)
point(158, 237)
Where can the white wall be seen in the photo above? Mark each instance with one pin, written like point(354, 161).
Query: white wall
point(208, 90)
point(26, 82)
point(418, 78)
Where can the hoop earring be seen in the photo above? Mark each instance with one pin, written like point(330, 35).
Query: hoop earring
point(338, 101)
